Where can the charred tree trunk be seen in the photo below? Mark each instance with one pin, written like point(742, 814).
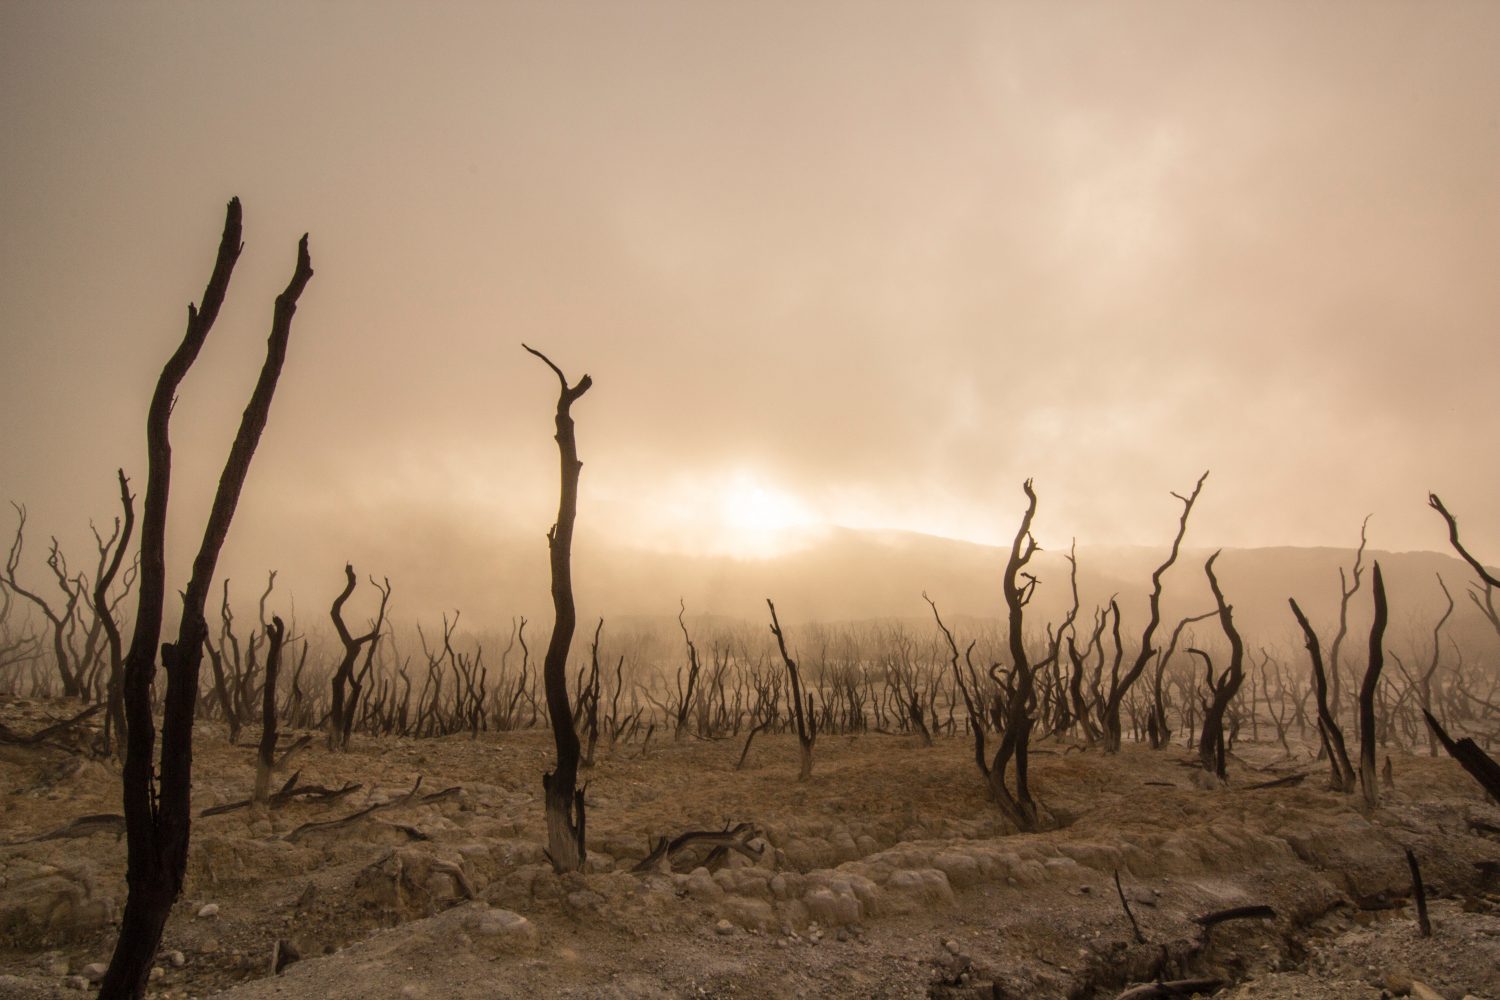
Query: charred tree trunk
point(1341, 778)
point(158, 813)
point(1369, 782)
point(565, 812)
point(341, 717)
point(114, 717)
point(1017, 586)
point(1118, 688)
point(807, 722)
point(265, 757)
point(1222, 690)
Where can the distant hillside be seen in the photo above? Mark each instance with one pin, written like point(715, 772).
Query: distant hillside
point(854, 575)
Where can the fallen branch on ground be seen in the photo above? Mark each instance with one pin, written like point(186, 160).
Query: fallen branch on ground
point(735, 839)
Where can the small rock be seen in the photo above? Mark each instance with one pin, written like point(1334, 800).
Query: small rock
point(156, 973)
point(208, 911)
point(176, 959)
point(94, 971)
point(952, 946)
point(724, 928)
point(1398, 982)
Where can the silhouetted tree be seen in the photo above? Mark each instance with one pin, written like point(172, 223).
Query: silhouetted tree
point(341, 717)
point(158, 806)
point(1369, 784)
point(1223, 688)
point(565, 812)
point(1342, 777)
point(1483, 600)
point(807, 722)
point(1120, 686)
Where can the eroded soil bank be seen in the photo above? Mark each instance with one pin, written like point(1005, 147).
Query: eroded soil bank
point(889, 874)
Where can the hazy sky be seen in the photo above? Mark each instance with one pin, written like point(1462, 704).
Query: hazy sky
point(868, 264)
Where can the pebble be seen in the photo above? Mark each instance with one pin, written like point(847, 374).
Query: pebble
point(208, 911)
point(176, 959)
point(94, 971)
point(723, 927)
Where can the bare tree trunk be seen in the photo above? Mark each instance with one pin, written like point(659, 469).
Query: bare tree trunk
point(158, 814)
point(807, 722)
point(565, 812)
point(114, 719)
point(1223, 690)
point(1118, 690)
point(1369, 782)
point(1342, 777)
point(266, 752)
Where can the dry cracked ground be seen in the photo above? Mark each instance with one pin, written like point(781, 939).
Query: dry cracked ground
point(888, 874)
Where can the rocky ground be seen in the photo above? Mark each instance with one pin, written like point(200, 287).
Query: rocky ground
point(888, 874)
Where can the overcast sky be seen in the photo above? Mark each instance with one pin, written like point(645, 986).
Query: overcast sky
point(865, 264)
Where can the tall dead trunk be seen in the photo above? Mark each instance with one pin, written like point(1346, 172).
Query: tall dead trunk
point(1017, 586)
point(1222, 690)
point(1369, 782)
point(565, 812)
point(807, 722)
point(1342, 777)
point(1119, 687)
point(265, 755)
point(114, 720)
point(158, 811)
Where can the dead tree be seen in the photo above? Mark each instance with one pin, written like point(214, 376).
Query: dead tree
point(1481, 767)
point(685, 697)
point(265, 757)
point(341, 717)
point(1484, 601)
point(61, 621)
point(114, 718)
point(1225, 687)
point(1341, 778)
point(807, 722)
point(1347, 590)
point(1369, 783)
point(1159, 733)
point(1119, 686)
point(158, 809)
point(1018, 587)
point(565, 812)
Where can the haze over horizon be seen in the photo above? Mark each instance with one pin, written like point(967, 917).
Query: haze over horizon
point(867, 265)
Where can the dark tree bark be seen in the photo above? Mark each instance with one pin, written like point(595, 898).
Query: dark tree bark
point(1481, 767)
point(807, 722)
point(341, 717)
point(1485, 602)
point(158, 812)
point(1119, 688)
point(1341, 778)
point(265, 758)
point(1369, 782)
point(1017, 586)
point(1222, 690)
point(565, 813)
point(114, 721)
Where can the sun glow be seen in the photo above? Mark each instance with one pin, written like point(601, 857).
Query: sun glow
point(733, 512)
point(759, 519)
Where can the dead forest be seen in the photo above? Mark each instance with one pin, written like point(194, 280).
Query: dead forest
point(288, 711)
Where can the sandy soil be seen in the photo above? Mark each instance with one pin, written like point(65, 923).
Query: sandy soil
point(889, 874)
